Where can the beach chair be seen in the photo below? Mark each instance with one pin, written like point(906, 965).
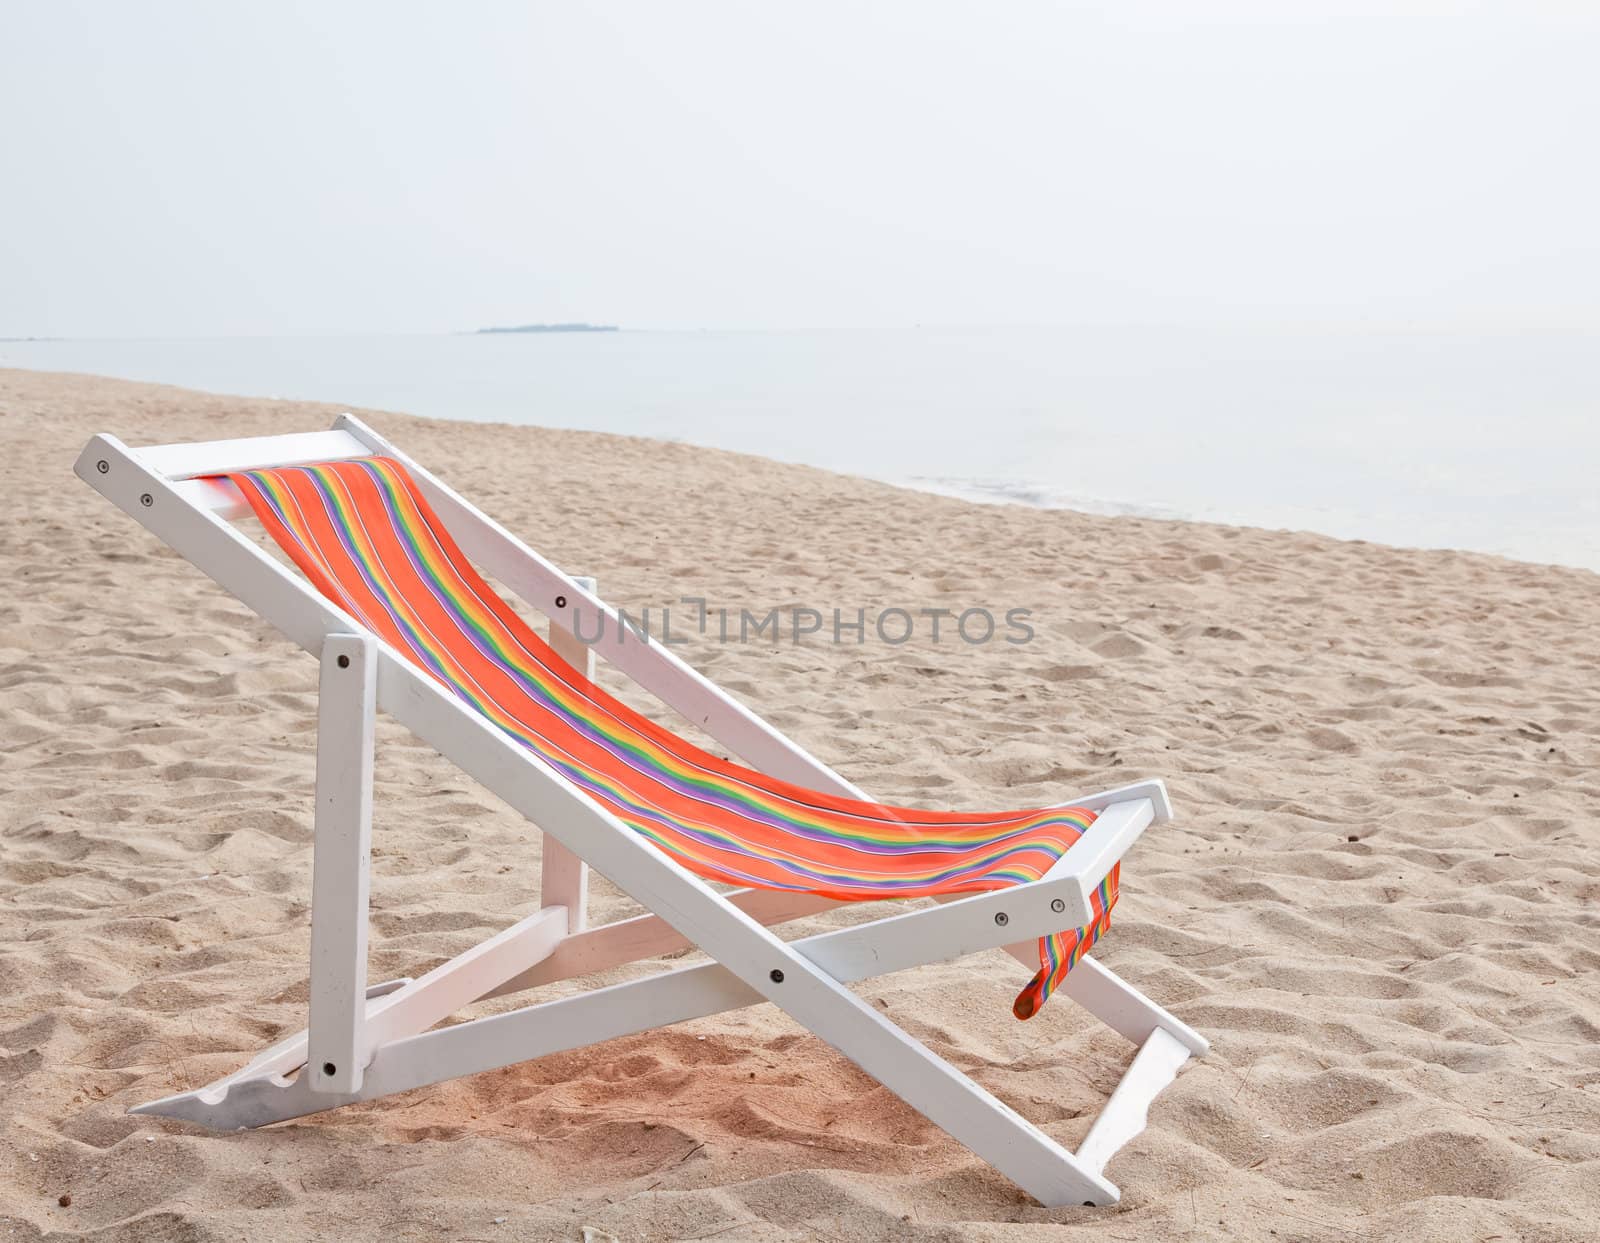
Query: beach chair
point(389, 599)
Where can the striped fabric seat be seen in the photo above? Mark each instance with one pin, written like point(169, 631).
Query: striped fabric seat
point(364, 535)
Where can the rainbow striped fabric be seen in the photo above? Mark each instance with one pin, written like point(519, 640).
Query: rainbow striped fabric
point(362, 532)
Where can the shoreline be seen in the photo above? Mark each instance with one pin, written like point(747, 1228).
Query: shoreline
point(977, 490)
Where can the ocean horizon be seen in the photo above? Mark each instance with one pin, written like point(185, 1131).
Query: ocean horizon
point(1482, 441)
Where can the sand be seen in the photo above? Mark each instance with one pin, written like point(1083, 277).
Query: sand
point(1378, 901)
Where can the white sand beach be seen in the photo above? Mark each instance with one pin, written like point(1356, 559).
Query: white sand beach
point(1379, 899)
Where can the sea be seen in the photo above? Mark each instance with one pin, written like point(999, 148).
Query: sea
point(1485, 440)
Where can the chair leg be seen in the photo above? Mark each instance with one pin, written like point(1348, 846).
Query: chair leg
point(346, 707)
point(945, 1096)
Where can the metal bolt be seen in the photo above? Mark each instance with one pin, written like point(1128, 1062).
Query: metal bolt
point(1001, 918)
point(147, 500)
point(344, 662)
point(777, 976)
point(102, 466)
point(561, 602)
point(1058, 906)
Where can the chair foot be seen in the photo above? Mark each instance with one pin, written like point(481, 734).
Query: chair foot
point(1127, 1113)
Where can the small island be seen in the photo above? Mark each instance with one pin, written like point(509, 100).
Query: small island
point(552, 328)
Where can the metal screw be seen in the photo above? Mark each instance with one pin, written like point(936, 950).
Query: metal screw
point(147, 500)
point(102, 466)
point(561, 602)
point(1001, 918)
point(344, 662)
point(777, 976)
point(1058, 906)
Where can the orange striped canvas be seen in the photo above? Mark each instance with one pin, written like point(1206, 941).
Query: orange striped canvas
point(365, 536)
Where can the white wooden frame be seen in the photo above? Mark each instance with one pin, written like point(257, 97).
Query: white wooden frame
point(365, 1042)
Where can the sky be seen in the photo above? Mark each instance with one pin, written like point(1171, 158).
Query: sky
point(203, 169)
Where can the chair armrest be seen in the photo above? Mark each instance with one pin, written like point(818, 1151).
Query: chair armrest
point(1088, 860)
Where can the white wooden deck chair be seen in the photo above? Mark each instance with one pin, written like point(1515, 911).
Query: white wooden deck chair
point(367, 1041)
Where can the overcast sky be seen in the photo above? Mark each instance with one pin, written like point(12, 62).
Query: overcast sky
point(221, 169)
